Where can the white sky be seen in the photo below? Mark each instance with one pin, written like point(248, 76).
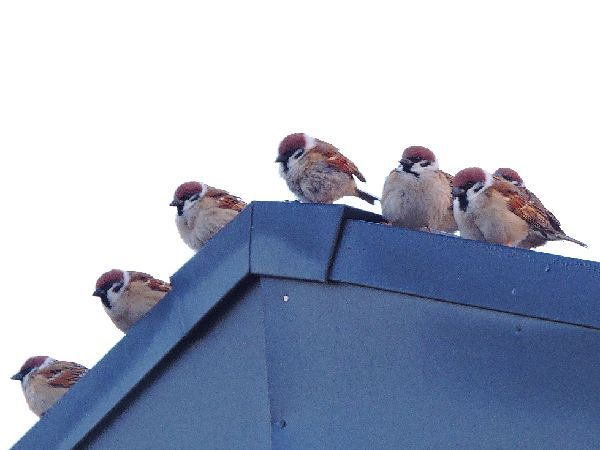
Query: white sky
point(105, 107)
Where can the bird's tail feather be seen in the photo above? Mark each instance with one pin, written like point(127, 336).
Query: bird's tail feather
point(366, 196)
point(575, 241)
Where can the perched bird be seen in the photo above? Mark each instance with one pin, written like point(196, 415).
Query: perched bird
point(128, 295)
point(316, 172)
point(491, 209)
point(512, 176)
point(417, 195)
point(45, 380)
point(202, 211)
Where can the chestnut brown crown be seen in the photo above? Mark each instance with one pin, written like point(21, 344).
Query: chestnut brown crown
point(110, 277)
point(187, 189)
point(417, 153)
point(509, 175)
point(469, 176)
point(291, 143)
point(33, 362)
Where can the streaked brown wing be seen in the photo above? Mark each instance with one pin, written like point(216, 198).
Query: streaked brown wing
point(216, 193)
point(449, 177)
point(337, 160)
point(537, 202)
point(159, 285)
point(63, 374)
point(521, 206)
point(225, 200)
point(139, 276)
point(231, 202)
point(153, 283)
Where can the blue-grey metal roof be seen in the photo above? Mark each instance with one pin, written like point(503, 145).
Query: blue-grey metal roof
point(305, 325)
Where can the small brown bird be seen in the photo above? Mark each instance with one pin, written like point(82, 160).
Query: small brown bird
point(127, 295)
point(491, 209)
point(533, 239)
point(417, 195)
point(45, 380)
point(202, 211)
point(316, 172)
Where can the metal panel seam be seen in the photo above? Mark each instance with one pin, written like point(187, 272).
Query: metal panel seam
point(336, 245)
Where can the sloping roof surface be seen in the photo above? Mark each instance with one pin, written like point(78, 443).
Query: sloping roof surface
point(303, 326)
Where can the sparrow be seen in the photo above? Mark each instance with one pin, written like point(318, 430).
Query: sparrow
point(316, 172)
point(45, 380)
point(491, 209)
point(127, 295)
point(512, 176)
point(417, 195)
point(202, 211)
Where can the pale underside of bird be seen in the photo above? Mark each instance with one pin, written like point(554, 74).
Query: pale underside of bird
point(45, 380)
point(316, 172)
point(417, 195)
point(128, 295)
point(202, 211)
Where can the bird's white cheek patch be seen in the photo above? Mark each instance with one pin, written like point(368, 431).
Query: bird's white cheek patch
point(113, 297)
point(292, 163)
point(479, 188)
point(187, 205)
point(471, 194)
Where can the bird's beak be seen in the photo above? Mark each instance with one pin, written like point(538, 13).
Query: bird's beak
point(456, 192)
point(280, 158)
point(176, 203)
point(99, 293)
point(406, 162)
point(17, 376)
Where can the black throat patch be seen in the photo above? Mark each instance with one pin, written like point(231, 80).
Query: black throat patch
point(104, 300)
point(463, 202)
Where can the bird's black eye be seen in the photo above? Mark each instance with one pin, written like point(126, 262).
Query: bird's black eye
point(298, 153)
point(425, 163)
point(415, 159)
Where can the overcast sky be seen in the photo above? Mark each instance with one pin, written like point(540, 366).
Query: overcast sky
point(105, 107)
